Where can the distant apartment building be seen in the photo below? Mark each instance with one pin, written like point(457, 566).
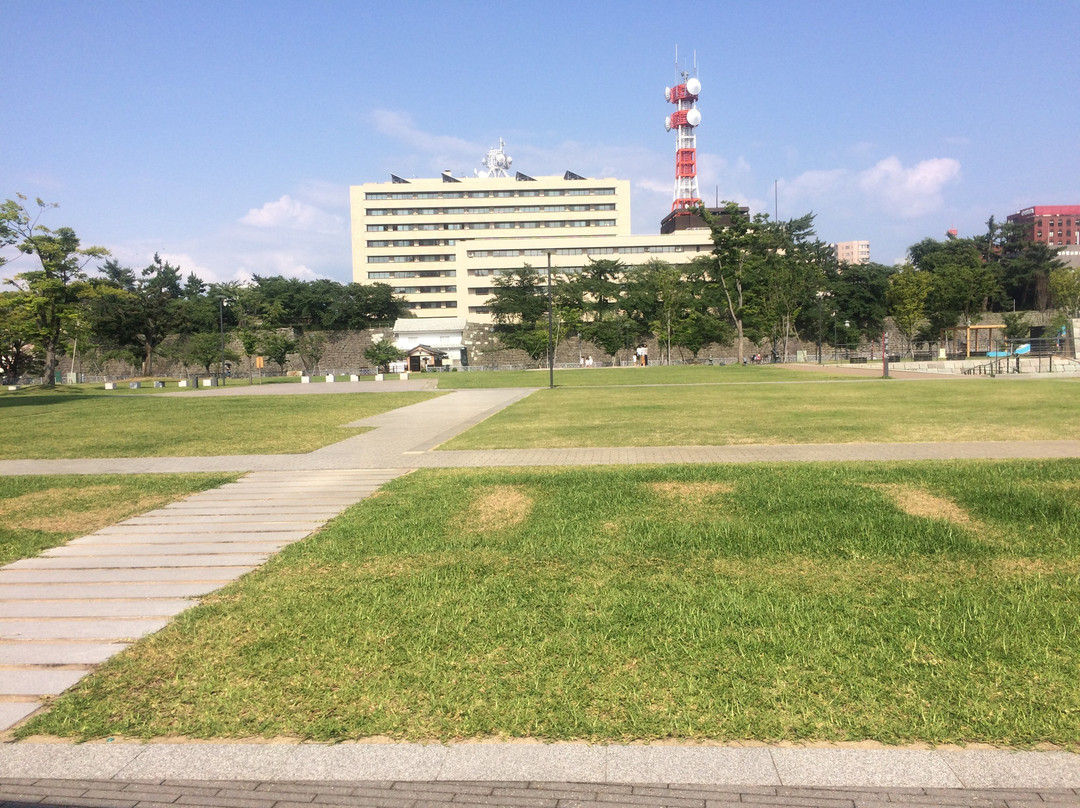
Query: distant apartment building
point(1055, 225)
point(440, 241)
point(852, 252)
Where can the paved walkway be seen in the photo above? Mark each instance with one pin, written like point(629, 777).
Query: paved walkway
point(527, 775)
point(74, 606)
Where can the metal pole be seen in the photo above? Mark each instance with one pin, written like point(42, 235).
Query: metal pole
point(551, 349)
point(221, 324)
point(885, 355)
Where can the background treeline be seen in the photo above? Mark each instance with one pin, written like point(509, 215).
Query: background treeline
point(770, 284)
point(775, 284)
point(56, 306)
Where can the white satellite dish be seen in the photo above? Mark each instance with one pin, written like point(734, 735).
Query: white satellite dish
point(693, 117)
point(693, 86)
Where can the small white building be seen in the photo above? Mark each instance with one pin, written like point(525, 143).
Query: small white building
point(444, 335)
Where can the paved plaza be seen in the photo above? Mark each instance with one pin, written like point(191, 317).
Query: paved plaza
point(74, 606)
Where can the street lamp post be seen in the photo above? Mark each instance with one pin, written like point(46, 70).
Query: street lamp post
point(550, 347)
point(221, 325)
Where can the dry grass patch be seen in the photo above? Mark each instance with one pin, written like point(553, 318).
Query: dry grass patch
point(496, 507)
point(920, 502)
point(74, 510)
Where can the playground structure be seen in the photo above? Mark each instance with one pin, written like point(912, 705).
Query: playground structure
point(972, 342)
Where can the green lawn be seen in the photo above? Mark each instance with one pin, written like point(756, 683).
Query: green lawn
point(37, 513)
point(808, 411)
point(918, 602)
point(76, 423)
point(604, 377)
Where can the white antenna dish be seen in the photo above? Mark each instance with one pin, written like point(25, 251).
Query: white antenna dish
point(693, 86)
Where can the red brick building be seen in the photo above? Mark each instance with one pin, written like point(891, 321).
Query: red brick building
point(1056, 225)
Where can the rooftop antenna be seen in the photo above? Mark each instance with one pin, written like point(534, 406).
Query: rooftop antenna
point(685, 119)
point(496, 162)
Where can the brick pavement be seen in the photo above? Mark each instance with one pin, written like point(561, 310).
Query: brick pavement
point(20, 792)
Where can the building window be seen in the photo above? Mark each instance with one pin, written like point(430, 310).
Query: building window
point(376, 196)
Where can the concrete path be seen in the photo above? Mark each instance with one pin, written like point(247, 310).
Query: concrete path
point(527, 774)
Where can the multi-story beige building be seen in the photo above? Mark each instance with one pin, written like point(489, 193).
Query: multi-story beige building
point(439, 241)
point(852, 252)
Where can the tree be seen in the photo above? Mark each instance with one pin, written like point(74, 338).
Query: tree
point(382, 353)
point(860, 294)
point(737, 253)
point(796, 266)
point(204, 350)
point(17, 355)
point(311, 347)
point(1023, 267)
point(143, 310)
point(55, 293)
point(908, 290)
point(1064, 288)
point(519, 309)
point(277, 348)
point(962, 284)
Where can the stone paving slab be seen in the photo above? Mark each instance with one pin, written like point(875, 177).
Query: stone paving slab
point(654, 764)
point(770, 768)
point(144, 538)
point(283, 521)
point(255, 545)
point(145, 607)
point(90, 629)
point(57, 653)
point(12, 712)
point(76, 563)
point(858, 767)
point(204, 528)
point(105, 590)
point(9, 576)
point(39, 682)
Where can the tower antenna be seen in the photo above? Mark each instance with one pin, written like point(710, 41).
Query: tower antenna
point(684, 120)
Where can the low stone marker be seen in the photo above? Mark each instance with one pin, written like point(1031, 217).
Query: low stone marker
point(330, 378)
point(110, 385)
point(208, 382)
point(378, 377)
point(305, 380)
point(159, 384)
point(134, 385)
point(354, 378)
point(182, 383)
point(403, 376)
point(13, 387)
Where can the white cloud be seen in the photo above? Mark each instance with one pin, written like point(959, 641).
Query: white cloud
point(909, 192)
point(293, 214)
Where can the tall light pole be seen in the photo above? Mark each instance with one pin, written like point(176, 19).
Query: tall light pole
point(221, 325)
point(551, 320)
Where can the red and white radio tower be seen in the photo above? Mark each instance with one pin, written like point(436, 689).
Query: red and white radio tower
point(687, 116)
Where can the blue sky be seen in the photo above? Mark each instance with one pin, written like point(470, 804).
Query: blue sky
point(225, 135)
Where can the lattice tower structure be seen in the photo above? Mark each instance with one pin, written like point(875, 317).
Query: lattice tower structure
point(684, 121)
